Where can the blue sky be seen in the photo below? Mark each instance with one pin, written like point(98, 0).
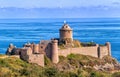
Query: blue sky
point(58, 3)
point(65, 8)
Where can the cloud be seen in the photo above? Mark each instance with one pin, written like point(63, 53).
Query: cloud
point(55, 3)
point(116, 3)
point(82, 12)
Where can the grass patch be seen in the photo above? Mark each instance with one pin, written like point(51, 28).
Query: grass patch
point(47, 61)
point(72, 66)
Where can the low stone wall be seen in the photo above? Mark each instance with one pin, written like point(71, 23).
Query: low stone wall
point(24, 56)
point(64, 52)
point(32, 58)
point(103, 51)
point(37, 58)
point(92, 51)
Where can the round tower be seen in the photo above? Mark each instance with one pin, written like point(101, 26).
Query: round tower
point(66, 33)
point(54, 51)
point(29, 51)
point(36, 48)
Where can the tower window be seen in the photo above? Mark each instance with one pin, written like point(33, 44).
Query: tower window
point(41, 46)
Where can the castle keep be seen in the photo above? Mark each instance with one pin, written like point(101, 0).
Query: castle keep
point(66, 34)
point(63, 46)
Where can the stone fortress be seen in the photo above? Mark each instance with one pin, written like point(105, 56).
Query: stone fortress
point(62, 46)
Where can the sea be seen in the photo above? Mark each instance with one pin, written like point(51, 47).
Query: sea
point(21, 31)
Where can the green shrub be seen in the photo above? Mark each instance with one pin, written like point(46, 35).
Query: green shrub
point(71, 56)
point(82, 73)
point(47, 61)
point(1, 55)
point(72, 74)
point(51, 72)
point(116, 74)
point(4, 63)
point(62, 58)
point(93, 74)
point(99, 74)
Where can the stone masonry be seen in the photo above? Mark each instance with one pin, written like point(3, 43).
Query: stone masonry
point(34, 53)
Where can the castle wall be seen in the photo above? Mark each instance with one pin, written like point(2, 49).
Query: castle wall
point(42, 47)
point(24, 56)
point(37, 58)
point(32, 58)
point(45, 47)
point(48, 51)
point(92, 51)
point(109, 48)
point(103, 51)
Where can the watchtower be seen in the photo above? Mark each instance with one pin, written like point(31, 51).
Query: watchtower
point(54, 51)
point(66, 33)
point(36, 48)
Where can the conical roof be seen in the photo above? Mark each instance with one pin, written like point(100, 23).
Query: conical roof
point(65, 27)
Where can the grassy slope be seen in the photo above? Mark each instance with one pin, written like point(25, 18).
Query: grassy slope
point(72, 66)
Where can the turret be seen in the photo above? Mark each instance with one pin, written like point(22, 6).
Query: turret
point(29, 51)
point(66, 33)
point(36, 48)
point(109, 48)
point(54, 51)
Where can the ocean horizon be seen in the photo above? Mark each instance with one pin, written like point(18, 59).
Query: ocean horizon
point(21, 31)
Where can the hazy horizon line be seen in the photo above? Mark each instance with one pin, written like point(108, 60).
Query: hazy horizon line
point(68, 18)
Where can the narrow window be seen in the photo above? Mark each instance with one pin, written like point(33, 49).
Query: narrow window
point(41, 46)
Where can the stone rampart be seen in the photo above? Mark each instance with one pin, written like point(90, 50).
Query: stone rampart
point(103, 51)
point(37, 58)
point(32, 58)
point(91, 51)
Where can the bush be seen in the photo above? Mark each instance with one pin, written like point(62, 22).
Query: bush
point(71, 56)
point(72, 74)
point(116, 74)
point(4, 63)
point(62, 58)
point(51, 72)
point(47, 61)
point(98, 74)
point(82, 73)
